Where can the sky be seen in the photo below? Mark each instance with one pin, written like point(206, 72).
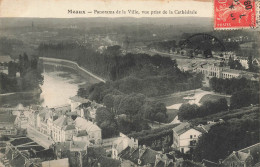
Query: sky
point(60, 8)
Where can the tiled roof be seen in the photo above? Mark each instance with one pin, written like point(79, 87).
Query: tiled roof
point(149, 156)
point(64, 122)
point(84, 124)
point(184, 127)
point(146, 155)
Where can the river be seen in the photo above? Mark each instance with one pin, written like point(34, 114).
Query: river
point(59, 84)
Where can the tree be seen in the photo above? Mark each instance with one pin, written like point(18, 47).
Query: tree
point(102, 114)
point(12, 69)
point(187, 111)
point(223, 139)
point(108, 101)
point(106, 121)
point(244, 98)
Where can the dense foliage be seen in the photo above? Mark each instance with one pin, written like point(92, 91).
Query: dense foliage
point(30, 76)
point(244, 98)
point(150, 75)
point(164, 46)
point(190, 111)
point(222, 139)
point(232, 85)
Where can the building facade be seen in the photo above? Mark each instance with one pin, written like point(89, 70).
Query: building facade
point(185, 137)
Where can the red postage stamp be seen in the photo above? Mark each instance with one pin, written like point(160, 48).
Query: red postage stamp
point(234, 14)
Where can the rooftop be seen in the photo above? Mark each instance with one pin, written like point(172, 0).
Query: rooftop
point(79, 99)
point(183, 127)
point(59, 162)
point(5, 59)
point(84, 124)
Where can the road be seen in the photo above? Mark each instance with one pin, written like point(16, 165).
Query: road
point(39, 138)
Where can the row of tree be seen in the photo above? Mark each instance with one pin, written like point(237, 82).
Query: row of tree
point(190, 111)
point(229, 86)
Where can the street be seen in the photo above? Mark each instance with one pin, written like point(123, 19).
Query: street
point(39, 138)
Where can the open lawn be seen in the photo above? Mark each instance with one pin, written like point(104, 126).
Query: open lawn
point(212, 97)
point(171, 113)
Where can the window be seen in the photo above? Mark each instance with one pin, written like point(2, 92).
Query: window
point(194, 135)
point(182, 150)
point(191, 136)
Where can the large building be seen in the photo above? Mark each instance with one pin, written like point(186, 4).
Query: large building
point(216, 71)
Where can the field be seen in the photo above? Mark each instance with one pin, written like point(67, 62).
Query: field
point(213, 97)
point(171, 113)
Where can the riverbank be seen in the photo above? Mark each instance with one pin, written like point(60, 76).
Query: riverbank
point(12, 93)
point(70, 64)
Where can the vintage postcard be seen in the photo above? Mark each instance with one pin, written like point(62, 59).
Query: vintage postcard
point(118, 83)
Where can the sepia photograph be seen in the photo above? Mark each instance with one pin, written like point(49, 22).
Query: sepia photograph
point(129, 84)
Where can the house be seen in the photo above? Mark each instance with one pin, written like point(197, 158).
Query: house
point(122, 143)
point(144, 156)
point(93, 131)
point(63, 149)
point(63, 129)
point(42, 118)
point(75, 101)
point(247, 157)
point(7, 124)
point(185, 136)
point(96, 157)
